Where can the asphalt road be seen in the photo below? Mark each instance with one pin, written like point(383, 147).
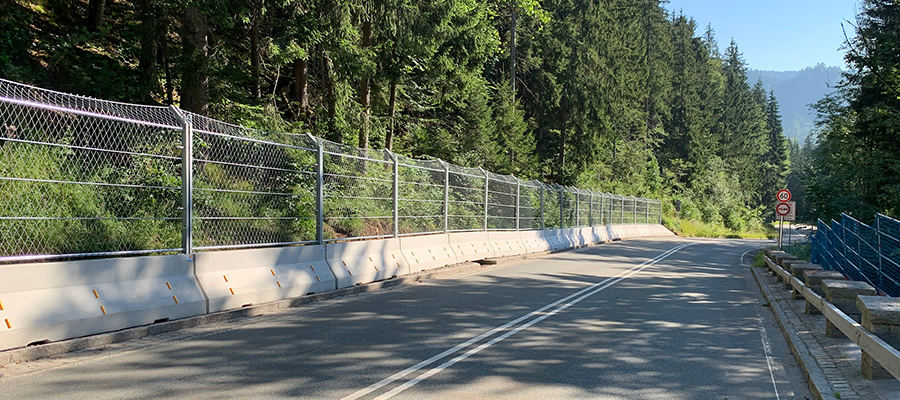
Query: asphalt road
point(637, 319)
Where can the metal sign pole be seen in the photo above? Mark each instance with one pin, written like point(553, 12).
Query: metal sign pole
point(780, 230)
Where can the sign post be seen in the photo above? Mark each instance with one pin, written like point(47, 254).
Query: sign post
point(785, 209)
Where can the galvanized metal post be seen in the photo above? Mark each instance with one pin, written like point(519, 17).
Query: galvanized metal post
point(486, 182)
point(647, 210)
point(446, 195)
point(577, 209)
point(562, 208)
point(187, 181)
point(878, 235)
point(396, 193)
point(602, 209)
point(542, 205)
point(591, 210)
point(518, 193)
point(320, 190)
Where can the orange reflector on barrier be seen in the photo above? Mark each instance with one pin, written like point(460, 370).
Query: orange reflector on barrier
point(176, 299)
point(96, 296)
point(103, 309)
point(169, 285)
point(8, 325)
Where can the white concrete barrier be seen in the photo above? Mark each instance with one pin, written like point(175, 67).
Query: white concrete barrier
point(427, 252)
point(236, 278)
point(534, 241)
point(556, 238)
point(64, 300)
point(602, 233)
point(588, 236)
point(471, 246)
point(507, 243)
point(366, 261)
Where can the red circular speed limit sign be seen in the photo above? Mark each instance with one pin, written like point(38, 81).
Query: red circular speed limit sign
point(783, 208)
point(783, 195)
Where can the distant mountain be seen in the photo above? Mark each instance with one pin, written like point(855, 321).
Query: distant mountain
point(796, 91)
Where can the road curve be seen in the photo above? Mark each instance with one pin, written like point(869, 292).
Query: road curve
point(638, 319)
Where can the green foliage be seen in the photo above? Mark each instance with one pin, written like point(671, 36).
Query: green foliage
point(615, 95)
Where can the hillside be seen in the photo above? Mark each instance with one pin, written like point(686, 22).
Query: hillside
point(795, 91)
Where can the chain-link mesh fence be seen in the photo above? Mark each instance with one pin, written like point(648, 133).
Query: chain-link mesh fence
point(251, 188)
point(81, 177)
point(420, 196)
point(530, 205)
point(85, 176)
point(358, 192)
point(502, 198)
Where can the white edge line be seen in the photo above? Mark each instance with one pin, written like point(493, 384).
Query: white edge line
point(483, 346)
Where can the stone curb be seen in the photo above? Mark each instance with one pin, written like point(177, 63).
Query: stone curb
point(815, 378)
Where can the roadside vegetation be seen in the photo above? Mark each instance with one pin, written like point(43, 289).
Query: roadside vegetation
point(619, 96)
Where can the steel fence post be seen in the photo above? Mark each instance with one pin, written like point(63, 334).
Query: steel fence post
point(518, 193)
point(320, 190)
point(647, 211)
point(187, 180)
point(396, 194)
point(577, 209)
point(591, 209)
point(486, 182)
point(562, 208)
point(446, 195)
point(878, 236)
point(623, 211)
point(542, 205)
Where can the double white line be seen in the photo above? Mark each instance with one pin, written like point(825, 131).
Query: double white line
point(541, 313)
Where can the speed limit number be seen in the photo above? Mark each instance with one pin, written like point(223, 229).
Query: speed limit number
point(783, 195)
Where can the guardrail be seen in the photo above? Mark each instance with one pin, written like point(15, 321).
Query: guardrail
point(878, 349)
point(864, 253)
point(82, 177)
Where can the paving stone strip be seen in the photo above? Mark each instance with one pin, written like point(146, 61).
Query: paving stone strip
point(837, 359)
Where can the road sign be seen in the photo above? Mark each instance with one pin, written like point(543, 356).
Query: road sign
point(786, 211)
point(783, 195)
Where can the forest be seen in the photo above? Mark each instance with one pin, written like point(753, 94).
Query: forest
point(621, 96)
point(850, 165)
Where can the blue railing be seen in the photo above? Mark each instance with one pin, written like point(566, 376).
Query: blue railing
point(860, 251)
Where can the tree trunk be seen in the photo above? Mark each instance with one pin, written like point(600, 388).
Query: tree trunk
point(194, 78)
point(152, 26)
point(328, 94)
point(96, 9)
point(365, 90)
point(389, 137)
point(301, 85)
point(562, 148)
point(254, 51)
point(167, 70)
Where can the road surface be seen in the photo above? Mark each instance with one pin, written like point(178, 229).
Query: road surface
point(637, 319)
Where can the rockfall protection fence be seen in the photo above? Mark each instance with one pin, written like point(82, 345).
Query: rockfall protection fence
point(861, 252)
point(82, 177)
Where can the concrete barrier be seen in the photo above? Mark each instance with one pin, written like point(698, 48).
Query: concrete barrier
point(507, 243)
point(556, 238)
point(471, 246)
point(427, 252)
point(365, 261)
point(236, 278)
point(63, 300)
point(588, 235)
point(572, 237)
point(534, 241)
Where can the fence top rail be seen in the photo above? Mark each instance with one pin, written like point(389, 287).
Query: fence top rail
point(34, 97)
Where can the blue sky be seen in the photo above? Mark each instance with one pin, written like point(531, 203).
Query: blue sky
point(779, 35)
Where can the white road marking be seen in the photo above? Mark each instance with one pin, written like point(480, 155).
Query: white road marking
point(764, 336)
point(591, 290)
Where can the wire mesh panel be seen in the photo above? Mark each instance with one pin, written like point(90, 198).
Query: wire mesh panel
point(530, 205)
point(569, 204)
point(501, 202)
point(858, 267)
point(889, 254)
point(252, 188)
point(597, 211)
point(358, 192)
point(81, 176)
point(584, 207)
point(552, 199)
point(466, 208)
point(420, 188)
